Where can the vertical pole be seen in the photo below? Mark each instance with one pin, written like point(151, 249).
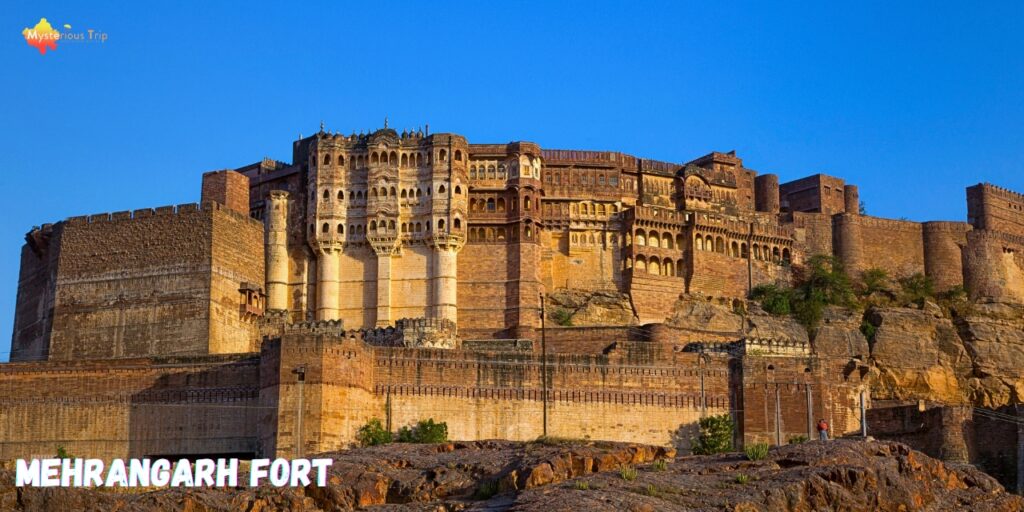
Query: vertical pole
point(810, 412)
point(863, 416)
point(301, 373)
point(778, 417)
point(703, 397)
point(544, 364)
point(1020, 450)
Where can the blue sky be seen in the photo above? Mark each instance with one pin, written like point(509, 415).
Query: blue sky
point(912, 101)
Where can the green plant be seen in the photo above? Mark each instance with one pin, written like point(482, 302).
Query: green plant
point(873, 280)
point(822, 282)
point(756, 451)
point(774, 299)
point(715, 435)
point(582, 485)
point(742, 479)
point(628, 473)
point(486, 490)
point(660, 465)
point(562, 317)
point(798, 440)
point(651, 490)
point(425, 431)
point(373, 433)
point(917, 288)
point(63, 454)
point(868, 329)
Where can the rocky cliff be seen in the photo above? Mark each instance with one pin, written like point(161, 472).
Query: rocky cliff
point(499, 476)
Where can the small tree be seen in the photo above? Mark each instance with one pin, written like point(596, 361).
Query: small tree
point(425, 431)
point(873, 280)
point(373, 433)
point(715, 435)
point(917, 288)
point(562, 317)
point(63, 454)
point(773, 298)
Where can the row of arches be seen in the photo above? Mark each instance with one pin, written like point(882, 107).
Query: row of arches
point(656, 266)
point(387, 192)
point(386, 226)
point(487, 235)
point(489, 172)
point(581, 178)
point(761, 252)
point(594, 239)
point(658, 240)
point(392, 158)
point(492, 204)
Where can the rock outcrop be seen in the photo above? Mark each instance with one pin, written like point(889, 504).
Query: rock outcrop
point(496, 475)
point(572, 306)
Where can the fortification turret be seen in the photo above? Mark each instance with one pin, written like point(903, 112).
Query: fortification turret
point(277, 250)
point(851, 199)
point(767, 193)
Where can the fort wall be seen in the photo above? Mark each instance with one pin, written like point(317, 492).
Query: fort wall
point(994, 208)
point(943, 253)
point(37, 288)
point(129, 408)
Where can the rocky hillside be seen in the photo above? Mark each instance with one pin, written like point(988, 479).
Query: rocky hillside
point(498, 476)
point(974, 356)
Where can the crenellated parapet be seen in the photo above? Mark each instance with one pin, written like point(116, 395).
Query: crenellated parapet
point(773, 347)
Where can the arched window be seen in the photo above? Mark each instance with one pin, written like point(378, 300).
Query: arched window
point(458, 155)
point(419, 227)
point(419, 159)
point(393, 192)
point(472, 172)
point(373, 226)
point(374, 158)
point(440, 224)
point(641, 264)
point(326, 228)
point(709, 244)
point(419, 192)
point(458, 223)
point(405, 160)
point(341, 195)
point(327, 194)
point(668, 269)
point(442, 156)
point(666, 241)
point(641, 237)
point(735, 250)
point(458, 190)
point(776, 255)
point(744, 253)
point(490, 172)
point(720, 245)
point(394, 158)
point(654, 266)
point(391, 225)
point(490, 204)
point(652, 239)
point(529, 232)
point(440, 189)
point(341, 229)
point(403, 193)
point(699, 243)
point(404, 227)
point(341, 160)
point(501, 234)
point(501, 204)
point(526, 204)
point(786, 256)
point(327, 159)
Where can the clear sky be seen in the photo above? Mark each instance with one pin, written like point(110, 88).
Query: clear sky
point(913, 101)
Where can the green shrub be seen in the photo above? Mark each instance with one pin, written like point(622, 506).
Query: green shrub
point(660, 465)
point(917, 288)
point(582, 485)
point(774, 299)
point(628, 473)
point(868, 329)
point(715, 435)
point(486, 490)
point(425, 431)
point(651, 490)
point(756, 451)
point(373, 433)
point(562, 317)
point(63, 454)
point(873, 280)
point(798, 440)
point(742, 479)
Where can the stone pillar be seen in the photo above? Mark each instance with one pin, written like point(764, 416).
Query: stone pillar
point(277, 250)
point(327, 285)
point(383, 286)
point(766, 193)
point(445, 276)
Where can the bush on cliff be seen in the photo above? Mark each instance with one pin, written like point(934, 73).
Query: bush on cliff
point(715, 435)
point(425, 431)
point(373, 433)
point(821, 282)
point(774, 299)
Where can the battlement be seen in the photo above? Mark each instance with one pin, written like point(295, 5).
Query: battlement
point(143, 213)
point(880, 223)
point(554, 156)
point(943, 226)
point(998, 191)
point(773, 347)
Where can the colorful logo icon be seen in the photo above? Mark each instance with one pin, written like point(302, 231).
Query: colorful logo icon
point(41, 36)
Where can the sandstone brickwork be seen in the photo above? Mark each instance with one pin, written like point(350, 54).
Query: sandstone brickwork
point(401, 276)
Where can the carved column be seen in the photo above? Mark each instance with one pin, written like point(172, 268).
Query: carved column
point(445, 275)
point(277, 250)
point(327, 283)
point(384, 249)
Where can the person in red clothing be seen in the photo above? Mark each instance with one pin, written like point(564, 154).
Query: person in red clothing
point(822, 430)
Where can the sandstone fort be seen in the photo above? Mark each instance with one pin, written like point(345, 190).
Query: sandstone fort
point(402, 275)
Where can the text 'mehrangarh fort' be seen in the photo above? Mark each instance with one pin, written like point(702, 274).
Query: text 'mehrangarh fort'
point(400, 276)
